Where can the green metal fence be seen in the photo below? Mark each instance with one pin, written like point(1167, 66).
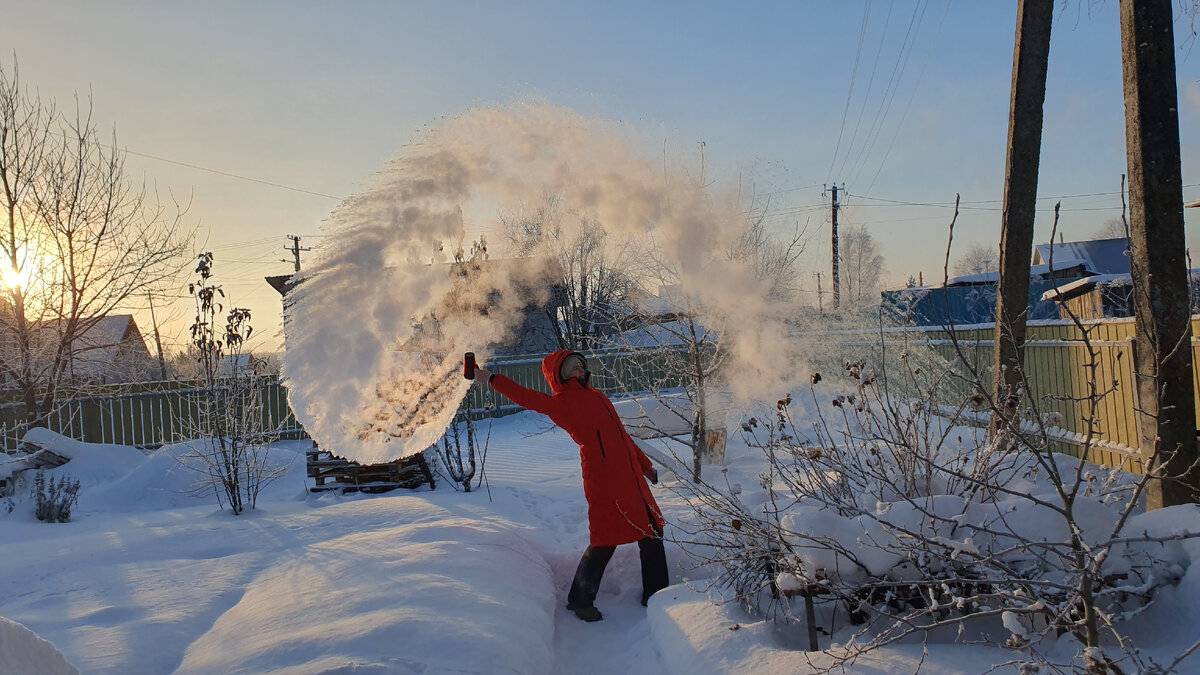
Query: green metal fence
point(147, 418)
point(151, 414)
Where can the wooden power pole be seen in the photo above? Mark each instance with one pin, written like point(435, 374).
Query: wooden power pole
point(1030, 57)
point(295, 250)
point(837, 283)
point(1162, 311)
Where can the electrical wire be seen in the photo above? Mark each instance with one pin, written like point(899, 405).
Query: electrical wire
point(870, 83)
point(862, 33)
point(911, 97)
point(893, 86)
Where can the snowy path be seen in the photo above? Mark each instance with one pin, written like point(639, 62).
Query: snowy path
point(534, 468)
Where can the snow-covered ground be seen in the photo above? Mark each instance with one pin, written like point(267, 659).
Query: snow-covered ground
point(148, 578)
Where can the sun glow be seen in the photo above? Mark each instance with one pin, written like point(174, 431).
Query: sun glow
point(14, 279)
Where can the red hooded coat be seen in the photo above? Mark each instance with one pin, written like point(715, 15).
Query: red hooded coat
point(620, 505)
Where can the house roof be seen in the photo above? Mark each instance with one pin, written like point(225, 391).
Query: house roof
point(1070, 290)
point(99, 347)
point(1080, 286)
point(1042, 271)
point(1101, 256)
point(108, 331)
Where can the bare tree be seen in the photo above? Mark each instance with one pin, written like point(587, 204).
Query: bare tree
point(1113, 228)
point(78, 241)
point(773, 258)
point(863, 265)
point(683, 354)
point(977, 259)
point(590, 277)
point(684, 344)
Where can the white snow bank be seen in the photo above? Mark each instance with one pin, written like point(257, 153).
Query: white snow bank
point(433, 593)
point(22, 652)
point(161, 480)
point(123, 478)
point(91, 463)
point(697, 637)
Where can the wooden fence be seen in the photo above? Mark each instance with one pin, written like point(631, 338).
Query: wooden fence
point(1058, 367)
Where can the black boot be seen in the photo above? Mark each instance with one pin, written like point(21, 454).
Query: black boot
point(588, 614)
point(586, 585)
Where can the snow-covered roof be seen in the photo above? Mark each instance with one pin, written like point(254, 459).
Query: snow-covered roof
point(107, 331)
point(1100, 280)
point(98, 352)
point(1060, 264)
point(1078, 284)
point(1101, 256)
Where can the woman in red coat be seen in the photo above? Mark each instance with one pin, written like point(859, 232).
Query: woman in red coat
point(621, 509)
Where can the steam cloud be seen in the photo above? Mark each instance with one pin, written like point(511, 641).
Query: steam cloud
point(369, 377)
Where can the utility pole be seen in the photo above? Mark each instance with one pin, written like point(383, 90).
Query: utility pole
point(295, 249)
point(1162, 317)
point(837, 285)
point(1031, 55)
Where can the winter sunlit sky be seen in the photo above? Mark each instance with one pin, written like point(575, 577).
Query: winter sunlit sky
point(267, 114)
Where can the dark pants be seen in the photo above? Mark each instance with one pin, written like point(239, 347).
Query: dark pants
point(595, 559)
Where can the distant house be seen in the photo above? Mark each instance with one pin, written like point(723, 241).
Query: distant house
point(112, 350)
point(971, 299)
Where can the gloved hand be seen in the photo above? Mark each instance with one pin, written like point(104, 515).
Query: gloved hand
point(652, 475)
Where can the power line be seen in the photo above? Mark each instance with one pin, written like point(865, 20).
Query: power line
point(900, 202)
point(893, 86)
point(913, 95)
point(219, 172)
point(228, 174)
point(870, 82)
point(862, 33)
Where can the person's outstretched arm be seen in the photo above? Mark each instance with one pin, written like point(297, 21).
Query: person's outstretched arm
point(530, 399)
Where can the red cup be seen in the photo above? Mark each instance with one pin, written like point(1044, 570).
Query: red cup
point(469, 365)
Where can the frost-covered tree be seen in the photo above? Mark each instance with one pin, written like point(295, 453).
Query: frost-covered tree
point(78, 239)
point(862, 266)
point(589, 270)
point(977, 259)
point(889, 507)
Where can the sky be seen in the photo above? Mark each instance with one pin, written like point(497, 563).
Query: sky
point(265, 116)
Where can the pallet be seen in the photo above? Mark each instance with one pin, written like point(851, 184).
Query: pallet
point(330, 472)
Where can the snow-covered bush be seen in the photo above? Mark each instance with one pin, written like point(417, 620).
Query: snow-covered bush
point(888, 503)
point(54, 497)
